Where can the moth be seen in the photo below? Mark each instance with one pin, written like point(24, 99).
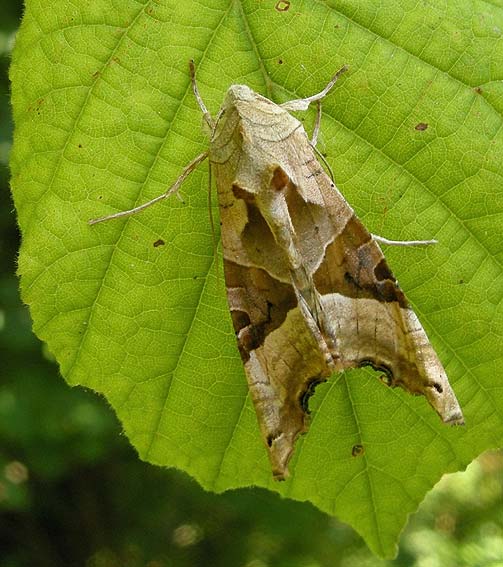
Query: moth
point(309, 290)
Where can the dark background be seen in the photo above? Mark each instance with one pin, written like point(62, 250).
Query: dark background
point(73, 491)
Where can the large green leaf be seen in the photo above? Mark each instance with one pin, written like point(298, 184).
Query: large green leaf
point(105, 119)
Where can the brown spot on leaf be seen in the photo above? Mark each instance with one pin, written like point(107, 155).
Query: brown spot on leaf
point(478, 90)
point(421, 126)
point(357, 450)
point(159, 242)
point(280, 61)
point(282, 5)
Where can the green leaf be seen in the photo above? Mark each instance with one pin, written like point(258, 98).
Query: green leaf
point(105, 120)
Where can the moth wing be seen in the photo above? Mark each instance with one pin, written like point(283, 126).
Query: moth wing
point(366, 315)
point(309, 290)
point(281, 356)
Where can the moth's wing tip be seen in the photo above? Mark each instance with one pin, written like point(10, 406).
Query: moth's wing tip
point(280, 452)
point(442, 399)
point(451, 413)
point(280, 476)
point(280, 470)
point(456, 418)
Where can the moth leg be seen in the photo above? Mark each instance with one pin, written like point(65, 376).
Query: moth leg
point(202, 106)
point(172, 190)
point(383, 240)
point(316, 129)
point(303, 103)
point(314, 140)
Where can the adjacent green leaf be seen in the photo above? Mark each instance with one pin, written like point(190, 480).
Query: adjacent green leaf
point(105, 119)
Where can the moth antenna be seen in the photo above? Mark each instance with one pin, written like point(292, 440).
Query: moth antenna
point(172, 190)
point(325, 162)
point(202, 106)
point(383, 240)
point(303, 103)
point(219, 115)
point(212, 226)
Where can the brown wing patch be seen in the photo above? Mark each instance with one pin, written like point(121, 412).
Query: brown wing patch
point(354, 266)
point(259, 304)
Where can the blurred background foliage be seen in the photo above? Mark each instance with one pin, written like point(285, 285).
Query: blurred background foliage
point(73, 492)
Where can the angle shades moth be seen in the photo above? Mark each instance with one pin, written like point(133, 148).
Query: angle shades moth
point(308, 287)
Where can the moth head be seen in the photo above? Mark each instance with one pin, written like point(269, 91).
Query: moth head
point(240, 93)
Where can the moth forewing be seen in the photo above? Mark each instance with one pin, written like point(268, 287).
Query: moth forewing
point(308, 287)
